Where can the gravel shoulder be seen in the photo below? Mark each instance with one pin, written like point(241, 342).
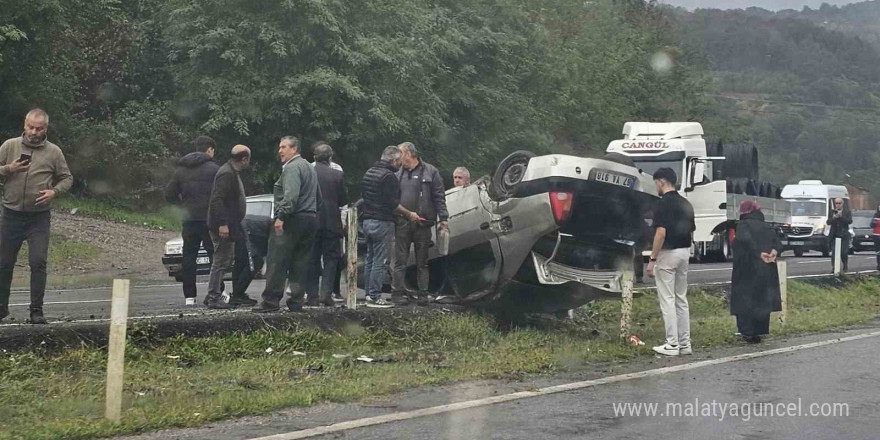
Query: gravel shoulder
point(87, 251)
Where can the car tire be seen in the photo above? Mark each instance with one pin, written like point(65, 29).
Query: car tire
point(798, 253)
point(509, 173)
point(178, 278)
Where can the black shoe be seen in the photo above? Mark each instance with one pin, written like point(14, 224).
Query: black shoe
point(4, 311)
point(399, 300)
point(218, 304)
point(294, 306)
point(422, 299)
point(242, 300)
point(328, 302)
point(37, 317)
point(753, 339)
point(266, 308)
point(207, 300)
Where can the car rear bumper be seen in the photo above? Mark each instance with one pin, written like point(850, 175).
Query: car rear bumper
point(174, 264)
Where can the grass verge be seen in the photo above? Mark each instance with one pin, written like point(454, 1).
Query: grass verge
point(188, 382)
point(166, 217)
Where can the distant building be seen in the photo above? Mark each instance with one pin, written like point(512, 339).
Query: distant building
point(860, 198)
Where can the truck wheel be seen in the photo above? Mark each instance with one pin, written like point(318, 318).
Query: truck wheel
point(510, 172)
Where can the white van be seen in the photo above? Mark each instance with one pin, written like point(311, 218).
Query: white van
point(811, 205)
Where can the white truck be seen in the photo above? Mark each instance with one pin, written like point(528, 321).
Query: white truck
point(811, 203)
point(714, 184)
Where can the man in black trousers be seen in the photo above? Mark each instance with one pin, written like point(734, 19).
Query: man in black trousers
point(191, 187)
point(328, 240)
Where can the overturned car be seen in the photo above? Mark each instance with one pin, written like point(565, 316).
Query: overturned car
point(545, 234)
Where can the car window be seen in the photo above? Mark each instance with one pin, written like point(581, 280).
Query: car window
point(861, 221)
point(263, 209)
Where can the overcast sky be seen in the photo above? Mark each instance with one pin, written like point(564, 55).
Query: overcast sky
point(773, 5)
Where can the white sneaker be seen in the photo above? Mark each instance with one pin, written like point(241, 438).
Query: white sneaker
point(190, 301)
point(685, 349)
point(379, 304)
point(668, 350)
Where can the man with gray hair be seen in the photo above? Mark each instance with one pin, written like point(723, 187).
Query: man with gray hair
point(327, 252)
point(34, 172)
point(380, 190)
point(422, 192)
point(297, 202)
point(461, 177)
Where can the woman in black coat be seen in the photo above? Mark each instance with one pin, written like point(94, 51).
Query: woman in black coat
point(755, 281)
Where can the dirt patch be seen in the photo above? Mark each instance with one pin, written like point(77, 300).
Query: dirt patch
point(83, 249)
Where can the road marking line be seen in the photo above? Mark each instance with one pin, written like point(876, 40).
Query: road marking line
point(66, 302)
point(407, 415)
point(711, 270)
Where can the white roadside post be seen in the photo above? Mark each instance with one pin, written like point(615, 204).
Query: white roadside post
point(782, 268)
point(351, 252)
point(837, 256)
point(116, 349)
point(626, 303)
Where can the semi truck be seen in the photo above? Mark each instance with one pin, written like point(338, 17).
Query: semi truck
point(715, 179)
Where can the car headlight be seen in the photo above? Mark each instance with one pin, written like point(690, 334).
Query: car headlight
point(173, 248)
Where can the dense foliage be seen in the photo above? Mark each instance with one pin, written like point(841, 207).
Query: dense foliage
point(129, 82)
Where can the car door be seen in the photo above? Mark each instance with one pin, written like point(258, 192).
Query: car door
point(474, 257)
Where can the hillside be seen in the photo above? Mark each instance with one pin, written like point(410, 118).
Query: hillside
point(807, 95)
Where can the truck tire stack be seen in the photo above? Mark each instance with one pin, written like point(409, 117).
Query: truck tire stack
point(740, 169)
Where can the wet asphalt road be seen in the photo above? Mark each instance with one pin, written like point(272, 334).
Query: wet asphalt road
point(844, 373)
point(167, 299)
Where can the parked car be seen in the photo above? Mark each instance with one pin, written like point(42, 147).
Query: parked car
point(258, 215)
point(863, 234)
point(544, 234)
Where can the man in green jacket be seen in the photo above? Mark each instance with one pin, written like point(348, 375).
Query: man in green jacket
point(297, 201)
point(34, 172)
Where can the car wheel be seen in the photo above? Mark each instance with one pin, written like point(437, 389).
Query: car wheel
point(178, 278)
point(510, 173)
point(798, 253)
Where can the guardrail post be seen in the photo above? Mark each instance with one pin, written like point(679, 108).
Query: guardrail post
point(351, 253)
point(837, 256)
point(782, 268)
point(626, 303)
point(116, 350)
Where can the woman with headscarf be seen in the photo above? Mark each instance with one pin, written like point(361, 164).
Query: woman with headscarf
point(755, 282)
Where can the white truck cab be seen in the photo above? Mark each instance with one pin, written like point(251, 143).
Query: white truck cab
point(811, 203)
point(681, 147)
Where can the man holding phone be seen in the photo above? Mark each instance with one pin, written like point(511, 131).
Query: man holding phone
point(34, 172)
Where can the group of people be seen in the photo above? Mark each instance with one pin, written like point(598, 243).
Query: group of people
point(403, 198)
point(755, 290)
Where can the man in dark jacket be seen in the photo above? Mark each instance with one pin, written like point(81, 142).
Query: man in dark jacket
point(380, 189)
point(297, 201)
point(328, 240)
point(225, 213)
point(191, 187)
point(841, 218)
point(754, 291)
point(422, 192)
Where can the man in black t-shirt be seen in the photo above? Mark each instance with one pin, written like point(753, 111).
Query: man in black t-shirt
point(673, 236)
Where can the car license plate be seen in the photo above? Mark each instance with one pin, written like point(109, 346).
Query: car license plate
point(203, 260)
point(612, 178)
point(867, 243)
point(796, 243)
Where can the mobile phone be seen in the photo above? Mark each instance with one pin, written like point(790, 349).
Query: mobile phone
point(24, 157)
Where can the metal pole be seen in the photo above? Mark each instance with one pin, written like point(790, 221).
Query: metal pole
point(837, 256)
point(626, 302)
point(782, 268)
point(116, 350)
point(351, 252)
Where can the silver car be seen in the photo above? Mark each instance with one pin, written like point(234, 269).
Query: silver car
point(545, 234)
